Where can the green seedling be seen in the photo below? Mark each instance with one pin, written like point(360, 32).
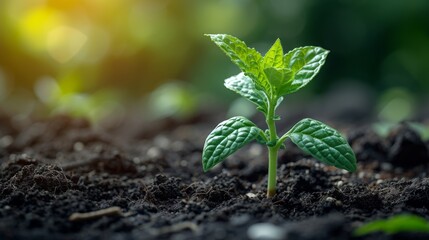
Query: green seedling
point(264, 81)
point(397, 224)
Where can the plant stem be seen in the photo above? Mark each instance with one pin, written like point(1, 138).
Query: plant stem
point(273, 151)
point(272, 171)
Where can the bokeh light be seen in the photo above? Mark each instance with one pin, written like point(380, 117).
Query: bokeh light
point(63, 54)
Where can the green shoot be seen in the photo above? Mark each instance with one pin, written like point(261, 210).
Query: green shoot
point(396, 224)
point(264, 81)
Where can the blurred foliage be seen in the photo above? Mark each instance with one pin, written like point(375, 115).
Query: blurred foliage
point(128, 48)
point(241, 107)
point(383, 129)
point(395, 106)
point(174, 99)
point(396, 224)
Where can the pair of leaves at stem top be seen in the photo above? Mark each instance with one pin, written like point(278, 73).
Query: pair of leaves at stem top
point(264, 81)
point(269, 77)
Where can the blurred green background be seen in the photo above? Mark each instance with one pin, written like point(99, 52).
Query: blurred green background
point(95, 57)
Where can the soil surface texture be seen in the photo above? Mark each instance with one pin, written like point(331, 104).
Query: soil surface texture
point(62, 178)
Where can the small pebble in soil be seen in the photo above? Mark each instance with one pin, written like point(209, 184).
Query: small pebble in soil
point(266, 231)
point(6, 141)
point(333, 201)
point(136, 160)
point(153, 152)
point(78, 146)
point(339, 183)
point(251, 195)
point(162, 141)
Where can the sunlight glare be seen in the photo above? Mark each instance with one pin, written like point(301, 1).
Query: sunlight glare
point(64, 43)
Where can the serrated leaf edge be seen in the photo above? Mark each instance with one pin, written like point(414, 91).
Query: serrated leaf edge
point(256, 132)
point(350, 166)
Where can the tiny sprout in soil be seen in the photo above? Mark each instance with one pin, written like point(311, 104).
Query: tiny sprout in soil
point(265, 80)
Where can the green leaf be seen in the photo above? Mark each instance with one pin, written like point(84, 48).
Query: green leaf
point(280, 79)
point(229, 136)
point(305, 63)
point(244, 86)
point(262, 138)
point(279, 101)
point(247, 59)
point(274, 56)
point(323, 143)
point(395, 224)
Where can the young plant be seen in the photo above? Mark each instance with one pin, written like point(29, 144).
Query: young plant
point(265, 80)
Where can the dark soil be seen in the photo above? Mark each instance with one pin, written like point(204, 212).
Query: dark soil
point(53, 168)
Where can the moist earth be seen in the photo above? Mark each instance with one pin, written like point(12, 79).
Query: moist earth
point(53, 168)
